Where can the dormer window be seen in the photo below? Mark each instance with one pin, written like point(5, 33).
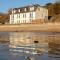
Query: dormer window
point(19, 10)
point(31, 8)
point(24, 9)
point(13, 11)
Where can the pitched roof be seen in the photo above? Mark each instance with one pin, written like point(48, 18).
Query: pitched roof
point(35, 5)
point(27, 8)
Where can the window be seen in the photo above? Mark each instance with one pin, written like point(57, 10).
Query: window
point(19, 15)
point(30, 20)
point(19, 10)
point(19, 21)
point(14, 11)
point(25, 9)
point(31, 15)
point(24, 15)
point(25, 21)
point(31, 8)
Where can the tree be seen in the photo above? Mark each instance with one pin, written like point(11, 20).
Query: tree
point(4, 18)
point(53, 8)
point(56, 8)
point(48, 4)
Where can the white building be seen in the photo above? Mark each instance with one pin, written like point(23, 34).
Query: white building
point(28, 14)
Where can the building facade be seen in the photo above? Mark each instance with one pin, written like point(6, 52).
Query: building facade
point(28, 14)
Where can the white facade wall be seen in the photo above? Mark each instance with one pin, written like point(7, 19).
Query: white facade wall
point(22, 18)
point(27, 17)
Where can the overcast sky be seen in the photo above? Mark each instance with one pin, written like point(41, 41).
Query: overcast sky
point(7, 4)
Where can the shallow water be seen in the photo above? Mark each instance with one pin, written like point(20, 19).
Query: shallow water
point(33, 45)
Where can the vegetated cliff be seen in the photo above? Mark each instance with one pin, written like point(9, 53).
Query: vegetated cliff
point(4, 17)
point(53, 8)
point(53, 11)
point(55, 18)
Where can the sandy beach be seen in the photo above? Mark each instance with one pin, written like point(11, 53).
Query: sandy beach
point(46, 27)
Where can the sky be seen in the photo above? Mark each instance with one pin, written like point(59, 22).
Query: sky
point(5, 5)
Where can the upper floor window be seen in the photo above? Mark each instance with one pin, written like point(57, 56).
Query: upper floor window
point(24, 15)
point(31, 15)
point(19, 10)
point(19, 15)
point(24, 9)
point(12, 17)
point(14, 11)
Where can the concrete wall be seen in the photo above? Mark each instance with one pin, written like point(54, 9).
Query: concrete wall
point(41, 13)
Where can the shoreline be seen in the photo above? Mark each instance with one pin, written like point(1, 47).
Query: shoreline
point(46, 27)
